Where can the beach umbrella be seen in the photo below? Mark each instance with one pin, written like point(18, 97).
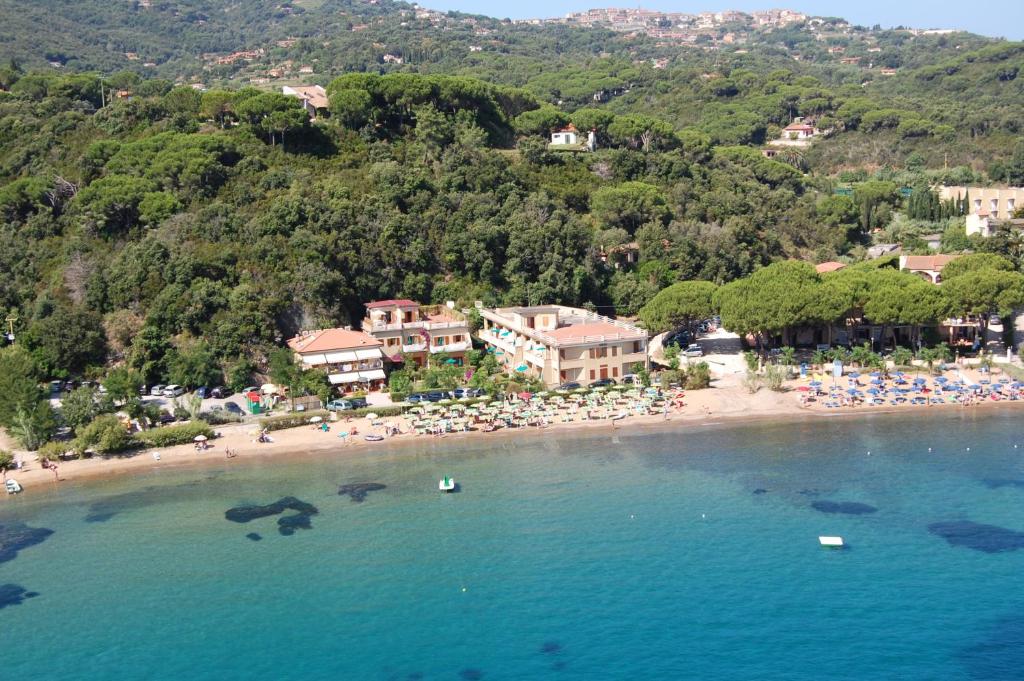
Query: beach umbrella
point(803, 388)
point(920, 381)
point(525, 395)
point(941, 379)
point(268, 388)
point(815, 384)
point(875, 374)
point(199, 438)
point(852, 391)
point(853, 374)
point(876, 381)
point(873, 391)
point(521, 368)
point(315, 419)
point(449, 361)
point(371, 415)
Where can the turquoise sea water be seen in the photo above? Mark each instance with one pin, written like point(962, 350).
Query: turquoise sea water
point(688, 552)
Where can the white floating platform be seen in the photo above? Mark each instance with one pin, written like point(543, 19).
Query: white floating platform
point(831, 541)
point(446, 484)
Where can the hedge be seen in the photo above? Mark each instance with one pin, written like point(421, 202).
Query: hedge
point(293, 420)
point(393, 410)
point(169, 436)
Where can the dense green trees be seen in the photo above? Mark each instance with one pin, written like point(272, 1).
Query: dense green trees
point(679, 305)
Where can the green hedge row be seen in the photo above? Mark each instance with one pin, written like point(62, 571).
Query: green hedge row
point(169, 436)
point(293, 420)
point(394, 410)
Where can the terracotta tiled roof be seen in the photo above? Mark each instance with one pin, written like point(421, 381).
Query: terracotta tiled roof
point(934, 263)
point(577, 332)
point(831, 266)
point(400, 302)
point(326, 340)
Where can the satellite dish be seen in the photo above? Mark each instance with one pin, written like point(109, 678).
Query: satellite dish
point(10, 337)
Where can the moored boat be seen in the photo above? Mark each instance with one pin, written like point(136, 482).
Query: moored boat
point(446, 484)
point(832, 542)
point(12, 485)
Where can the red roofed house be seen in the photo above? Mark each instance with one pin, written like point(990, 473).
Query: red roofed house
point(407, 329)
point(313, 97)
point(799, 131)
point(560, 344)
point(928, 267)
point(352, 359)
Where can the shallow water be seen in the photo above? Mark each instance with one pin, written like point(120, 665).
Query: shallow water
point(684, 553)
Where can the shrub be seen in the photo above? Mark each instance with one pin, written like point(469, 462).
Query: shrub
point(293, 420)
point(774, 376)
point(698, 376)
point(216, 418)
point(106, 434)
point(173, 435)
point(395, 410)
point(55, 449)
point(7, 459)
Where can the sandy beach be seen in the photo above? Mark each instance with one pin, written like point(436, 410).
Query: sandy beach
point(727, 402)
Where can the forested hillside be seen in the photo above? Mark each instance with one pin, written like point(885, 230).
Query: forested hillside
point(193, 229)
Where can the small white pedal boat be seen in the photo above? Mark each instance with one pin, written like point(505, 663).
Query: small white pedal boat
point(446, 484)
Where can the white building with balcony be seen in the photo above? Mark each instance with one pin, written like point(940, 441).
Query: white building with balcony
point(417, 332)
point(561, 344)
point(353, 360)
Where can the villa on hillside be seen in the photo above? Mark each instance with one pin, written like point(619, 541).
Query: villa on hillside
point(407, 329)
point(559, 344)
point(569, 138)
point(988, 207)
point(313, 98)
point(799, 133)
point(928, 267)
point(352, 359)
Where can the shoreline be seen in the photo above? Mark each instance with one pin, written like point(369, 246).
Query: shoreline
point(725, 406)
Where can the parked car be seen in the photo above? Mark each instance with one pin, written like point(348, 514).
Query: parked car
point(460, 393)
point(630, 379)
point(166, 417)
point(173, 390)
point(602, 382)
point(994, 320)
point(432, 396)
point(346, 404)
point(680, 337)
point(234, 408)
point(570, 385)
point(693, 350)
point(157, 390)
point(221, 392)
point(202, 391)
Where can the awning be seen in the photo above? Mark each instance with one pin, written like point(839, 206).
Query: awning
point(371, 353)
point(347, 377)
point(372, 375)
point(343, 356)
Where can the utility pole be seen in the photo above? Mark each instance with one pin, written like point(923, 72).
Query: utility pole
point(10, 327)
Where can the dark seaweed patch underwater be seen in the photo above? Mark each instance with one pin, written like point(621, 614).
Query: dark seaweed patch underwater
point(286, 525)
point(14, 594)
point(846, 507)
point(17, 536)
point(978, 536)
point(357, 491)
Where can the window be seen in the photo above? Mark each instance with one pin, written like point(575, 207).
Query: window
point(615, 372)
point(615, 351)
point(592, 374)
point(598, 353)
point(637, 347)
point(439, 341)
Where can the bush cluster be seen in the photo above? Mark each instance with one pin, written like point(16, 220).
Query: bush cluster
point(293, 420)
point(173, 435)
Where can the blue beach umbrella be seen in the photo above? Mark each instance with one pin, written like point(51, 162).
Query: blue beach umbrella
point(852, 391)
point(853, 374)
point(920, 381)
point(876, 381)
point(815, 384)
point(941, 379)
point(521, 367)
point(873, 391)
point(875, 374)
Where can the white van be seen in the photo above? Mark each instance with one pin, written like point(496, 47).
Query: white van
point(173, 390)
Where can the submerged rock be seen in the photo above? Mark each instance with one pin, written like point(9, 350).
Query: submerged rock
point(17, 536)
point(471, 674)
point(14, 594)
point(847, 507)
point(978, 536)
point(254, 536)
point(760, 490)
point(551, 647)
point(287, 525)
point(357, 491)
